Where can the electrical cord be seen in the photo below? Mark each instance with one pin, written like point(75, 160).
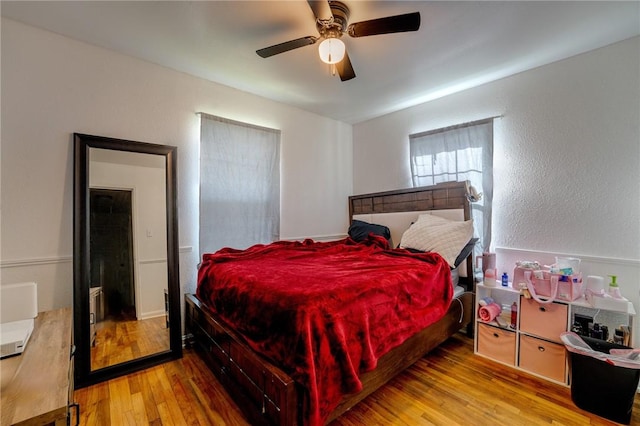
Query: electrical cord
point(462, 305)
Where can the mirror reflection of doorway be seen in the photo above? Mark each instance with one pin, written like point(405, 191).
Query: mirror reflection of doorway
point(128, 263)
point(111, 248)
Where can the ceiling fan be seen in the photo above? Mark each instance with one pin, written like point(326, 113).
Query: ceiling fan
point(331, 22)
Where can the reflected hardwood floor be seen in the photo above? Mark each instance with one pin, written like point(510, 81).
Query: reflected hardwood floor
point(450, 386)
point(124, 340)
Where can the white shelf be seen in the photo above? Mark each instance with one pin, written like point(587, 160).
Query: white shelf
point(582, 301)
point(507, 295)
point(499, 287)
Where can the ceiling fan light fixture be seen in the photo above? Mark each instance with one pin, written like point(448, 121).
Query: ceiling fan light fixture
point(331, 50)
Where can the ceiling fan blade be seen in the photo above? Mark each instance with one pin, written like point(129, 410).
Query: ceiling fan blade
point(321, 9)
point(345, 69)
point(390, 24)
point(286, 46)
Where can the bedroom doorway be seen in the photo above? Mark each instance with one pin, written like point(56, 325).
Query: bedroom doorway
point(111, 248)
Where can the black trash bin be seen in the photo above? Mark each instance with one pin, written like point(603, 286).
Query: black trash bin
point(601, 387)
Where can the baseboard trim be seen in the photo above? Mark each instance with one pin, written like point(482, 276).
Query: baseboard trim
point(152, 314)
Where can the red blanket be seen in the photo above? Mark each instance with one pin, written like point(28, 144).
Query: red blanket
point(325, 312)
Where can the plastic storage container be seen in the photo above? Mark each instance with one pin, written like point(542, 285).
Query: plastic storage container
point(598, 385)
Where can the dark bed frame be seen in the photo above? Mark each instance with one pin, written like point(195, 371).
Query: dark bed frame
point(269, 396)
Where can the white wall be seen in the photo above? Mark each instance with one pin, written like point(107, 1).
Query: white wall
point(566, 159)
point(53, 86)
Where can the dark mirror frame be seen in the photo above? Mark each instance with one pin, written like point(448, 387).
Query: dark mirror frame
point(81, 263)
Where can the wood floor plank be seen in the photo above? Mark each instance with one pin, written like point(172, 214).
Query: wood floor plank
point(139, 412)
point(124, 340)
point(150, 406)
point(183, 389)
point(102, 413)
point(450, 386)
point(170, 401)
point(120, 397)
point(165, 415)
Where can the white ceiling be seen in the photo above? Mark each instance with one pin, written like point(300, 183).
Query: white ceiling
point(459, 44)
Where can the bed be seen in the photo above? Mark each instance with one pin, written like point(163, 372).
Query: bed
point(258, 373)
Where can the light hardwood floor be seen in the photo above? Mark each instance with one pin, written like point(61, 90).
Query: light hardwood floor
point(124, 340)
point(450, 386)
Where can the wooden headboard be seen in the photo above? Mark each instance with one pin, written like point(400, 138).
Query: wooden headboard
point(443, 196)
point(447, 195)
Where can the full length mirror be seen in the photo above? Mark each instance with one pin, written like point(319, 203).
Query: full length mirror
point(126, 291)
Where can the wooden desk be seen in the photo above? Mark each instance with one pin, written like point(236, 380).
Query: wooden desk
point(37, 385)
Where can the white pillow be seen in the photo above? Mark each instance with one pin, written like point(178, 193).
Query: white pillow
point(443, 236)
point(433, 218)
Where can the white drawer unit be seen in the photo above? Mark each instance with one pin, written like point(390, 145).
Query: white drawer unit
point(533, 342)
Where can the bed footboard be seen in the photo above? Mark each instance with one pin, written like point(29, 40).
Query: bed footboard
point(265, 393)
point(404, 356)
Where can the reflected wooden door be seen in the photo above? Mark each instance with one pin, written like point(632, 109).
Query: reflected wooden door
point(111, 246)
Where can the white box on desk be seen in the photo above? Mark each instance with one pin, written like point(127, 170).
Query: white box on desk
point(18, 308)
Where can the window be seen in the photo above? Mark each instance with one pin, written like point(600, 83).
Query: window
point(458, 153)
point(239, 184)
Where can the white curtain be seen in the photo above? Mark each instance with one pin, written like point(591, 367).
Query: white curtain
point(239, 184)
point(458, 153)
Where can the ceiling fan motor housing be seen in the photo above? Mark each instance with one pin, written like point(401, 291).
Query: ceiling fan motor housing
point(340, 14)
point(338, 25)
